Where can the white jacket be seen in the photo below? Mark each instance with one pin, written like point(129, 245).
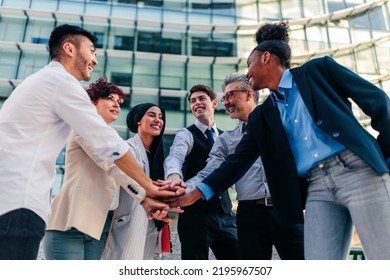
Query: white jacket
point(133, 236)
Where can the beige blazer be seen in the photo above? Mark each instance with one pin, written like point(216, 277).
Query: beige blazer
point(133, 236)
point(90, 185)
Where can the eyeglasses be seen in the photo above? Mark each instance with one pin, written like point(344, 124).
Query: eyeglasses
point(230, 94)
point(112, 99)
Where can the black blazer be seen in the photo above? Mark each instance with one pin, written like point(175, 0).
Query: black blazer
point(325, 87)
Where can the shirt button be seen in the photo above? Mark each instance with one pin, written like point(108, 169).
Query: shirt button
point(315, 155)
point(336, 134)
point(295, 121)
point(319, 122)
point(305, 138)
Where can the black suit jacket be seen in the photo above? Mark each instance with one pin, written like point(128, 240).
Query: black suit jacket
point(325, 87)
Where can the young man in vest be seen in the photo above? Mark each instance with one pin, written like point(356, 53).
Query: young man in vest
point(206, 224)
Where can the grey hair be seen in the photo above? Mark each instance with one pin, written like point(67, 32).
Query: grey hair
point(243, 84)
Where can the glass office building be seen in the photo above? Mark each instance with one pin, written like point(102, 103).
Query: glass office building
point(157, 50)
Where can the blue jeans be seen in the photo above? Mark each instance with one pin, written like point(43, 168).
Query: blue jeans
point(73, 244)
point(21, 232)
point(344, 191)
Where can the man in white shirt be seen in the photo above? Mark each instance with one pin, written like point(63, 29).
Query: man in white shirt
point(34, 123)
point(206, 224)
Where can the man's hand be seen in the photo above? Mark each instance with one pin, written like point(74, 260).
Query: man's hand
point(162, 188)
point(187, 199)
point(158, 210)
point(176, 180)
point(167, 185)
point(131, 168)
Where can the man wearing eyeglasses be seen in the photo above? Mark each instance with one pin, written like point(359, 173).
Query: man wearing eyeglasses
point(206, 224)
point(257, 227)
point(316, 154)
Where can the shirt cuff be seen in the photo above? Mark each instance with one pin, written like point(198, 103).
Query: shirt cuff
point(206, 190)
point(171, 171)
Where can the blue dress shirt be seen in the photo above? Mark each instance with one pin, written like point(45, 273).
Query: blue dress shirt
point(308, 143)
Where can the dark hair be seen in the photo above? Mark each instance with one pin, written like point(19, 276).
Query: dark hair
point(244, 84)
point(206, 89)
point(66, 32)
point(102, 89)
point(273, 37)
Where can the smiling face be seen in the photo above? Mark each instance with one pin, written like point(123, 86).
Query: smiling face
point(238, 105)
point(85, 59)
point(109, 107)
point(257, 72)
point(152, 122)
point(202, 107)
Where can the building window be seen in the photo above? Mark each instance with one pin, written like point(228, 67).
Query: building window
point(371, 19)
point(99, 42)
point(171, 46)
point(61, 157)
point(149, 42)
point(155, 3)
point(153, 42)
point(124, 43)
point(212, 5)
point(170, 103)
point(121, 79)
point(37, 40)
point(208, 47)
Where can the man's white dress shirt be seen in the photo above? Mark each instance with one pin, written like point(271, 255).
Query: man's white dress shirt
point(35, 122)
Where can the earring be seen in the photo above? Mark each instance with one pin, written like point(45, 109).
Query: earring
point(138, 123)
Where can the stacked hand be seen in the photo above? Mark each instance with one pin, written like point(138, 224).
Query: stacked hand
point(155, 203)
point(186, 199)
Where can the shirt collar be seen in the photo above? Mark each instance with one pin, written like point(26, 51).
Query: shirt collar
point(286, 81)
point(285, 84)
point(203, 127)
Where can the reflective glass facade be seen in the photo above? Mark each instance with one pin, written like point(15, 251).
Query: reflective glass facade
point(157, 50)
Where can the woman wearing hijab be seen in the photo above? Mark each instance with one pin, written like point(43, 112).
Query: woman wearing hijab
point(133, 235)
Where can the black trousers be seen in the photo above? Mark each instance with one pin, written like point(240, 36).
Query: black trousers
point(200, 230)
point(258, 231)
point(21, 232)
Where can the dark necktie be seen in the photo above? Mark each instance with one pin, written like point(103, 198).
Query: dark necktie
point(243, 128)
point(210, 136)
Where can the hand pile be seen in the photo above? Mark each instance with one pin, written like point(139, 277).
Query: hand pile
point(163, 192)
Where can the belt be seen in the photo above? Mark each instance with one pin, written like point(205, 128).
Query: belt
point(266, 201)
